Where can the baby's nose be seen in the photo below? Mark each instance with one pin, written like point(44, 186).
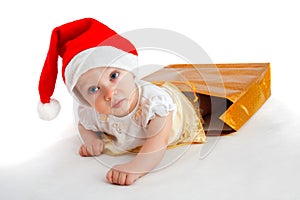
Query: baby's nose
point(109, 93)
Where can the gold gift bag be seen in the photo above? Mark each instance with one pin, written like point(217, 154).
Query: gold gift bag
point(244, 86)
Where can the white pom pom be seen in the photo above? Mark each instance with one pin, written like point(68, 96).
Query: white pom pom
point(48, 111)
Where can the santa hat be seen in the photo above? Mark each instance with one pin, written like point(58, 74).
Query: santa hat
point(83, 45)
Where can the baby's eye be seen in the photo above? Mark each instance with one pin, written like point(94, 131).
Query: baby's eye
point(93, 89)
point(114, 75)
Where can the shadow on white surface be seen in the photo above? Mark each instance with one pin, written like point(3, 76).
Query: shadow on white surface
point(260, 161)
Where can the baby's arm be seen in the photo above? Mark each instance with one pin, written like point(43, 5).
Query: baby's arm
point(148, 157)
point(92, 144)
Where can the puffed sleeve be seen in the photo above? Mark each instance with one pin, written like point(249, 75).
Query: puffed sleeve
point(158, 102)
point(87, 118)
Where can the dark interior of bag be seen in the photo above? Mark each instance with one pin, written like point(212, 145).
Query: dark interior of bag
point(211, 108)
point(213, 126)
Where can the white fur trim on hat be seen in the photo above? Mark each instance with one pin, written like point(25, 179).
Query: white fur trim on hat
point(102, 56)
point(48, 111)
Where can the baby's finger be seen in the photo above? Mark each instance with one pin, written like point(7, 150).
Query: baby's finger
point(109, 176)
point(115, 176)
point(89, 150)
point(122, 178)
point(97, 149)
point(83, 151)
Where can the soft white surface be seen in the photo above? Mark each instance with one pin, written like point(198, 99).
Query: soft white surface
point(39, 159)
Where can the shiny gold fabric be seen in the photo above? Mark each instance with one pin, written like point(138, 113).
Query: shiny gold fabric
point(245, 85)
point(187, 123)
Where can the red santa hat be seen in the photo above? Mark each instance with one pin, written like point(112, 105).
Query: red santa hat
point(83, 45)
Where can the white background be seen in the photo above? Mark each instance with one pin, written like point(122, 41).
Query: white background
point(35, 155)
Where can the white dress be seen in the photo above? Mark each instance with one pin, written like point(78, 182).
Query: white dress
point(123, 134)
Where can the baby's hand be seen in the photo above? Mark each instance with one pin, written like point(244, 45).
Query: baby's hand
point(123, 174)
point(92, 148)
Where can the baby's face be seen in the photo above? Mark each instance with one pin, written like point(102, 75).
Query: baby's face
point(109, 90)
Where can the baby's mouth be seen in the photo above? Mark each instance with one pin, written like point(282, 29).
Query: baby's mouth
point(117, 103)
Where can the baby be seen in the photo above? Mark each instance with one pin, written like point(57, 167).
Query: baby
point(113, 92)
point(132, 115)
